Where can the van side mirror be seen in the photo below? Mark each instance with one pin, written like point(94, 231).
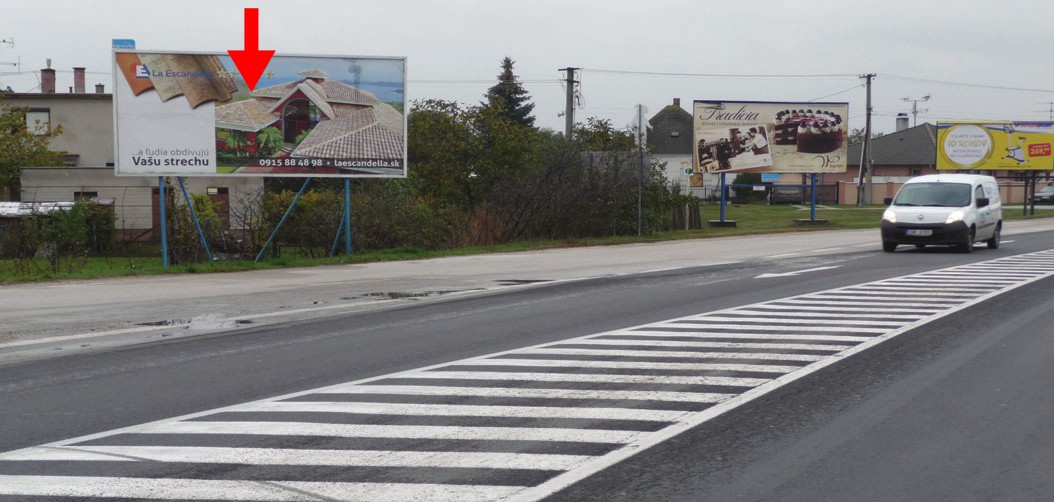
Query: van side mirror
point(983, 202)
point(887, 201)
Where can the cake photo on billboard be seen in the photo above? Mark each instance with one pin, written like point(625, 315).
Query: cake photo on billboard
point(811, 131)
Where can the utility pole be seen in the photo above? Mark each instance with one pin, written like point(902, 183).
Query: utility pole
point(863, 191)
point(915, 107)
point(641, 138)
point(569, 111)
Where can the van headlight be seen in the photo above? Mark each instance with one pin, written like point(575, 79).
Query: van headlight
point(890, 216)
point(955, 217)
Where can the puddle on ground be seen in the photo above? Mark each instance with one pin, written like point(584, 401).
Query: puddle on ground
point(408, 295)
point(520, 282)
point(166, 322)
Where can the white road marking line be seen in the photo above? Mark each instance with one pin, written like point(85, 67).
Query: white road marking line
point(282, 456)
point(841, 315)
point(268, 491)
point(590, 378)
point(714, 345)
point(701, 323)
point(566, 363)
point(891, 300)
point(924, 311)
point(836, 306)
point(675, 354)
point(1002, 275)
point(459, 410)
point(782, 322)
point(395, 431)
point(510, 393)
point(912, 294)
point(743, 337)
point(921, 288)
point(949, 281)
point(883, 297)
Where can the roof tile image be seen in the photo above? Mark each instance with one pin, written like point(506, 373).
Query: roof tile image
point(353, 123)
point(248, 115)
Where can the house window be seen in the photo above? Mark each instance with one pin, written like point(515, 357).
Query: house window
point(85, 196)
point(217, 190)
point(915, 171)
point(38, 121)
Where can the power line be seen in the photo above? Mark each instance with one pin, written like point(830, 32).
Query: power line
point(717, 75)
point(964, 84)
point(853, 88)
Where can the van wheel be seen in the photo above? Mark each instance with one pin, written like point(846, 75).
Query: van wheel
point(967, 247)
point(993, 243)
point(889, 247)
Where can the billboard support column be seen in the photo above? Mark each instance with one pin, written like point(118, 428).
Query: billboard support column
point(347, 216)
point(723, 190)
point(164, 227)
point(194, 216)
point(284, 217)
point(336, 240)
point(812, 214)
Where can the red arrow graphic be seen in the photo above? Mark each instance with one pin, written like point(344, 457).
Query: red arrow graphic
point(251, 62)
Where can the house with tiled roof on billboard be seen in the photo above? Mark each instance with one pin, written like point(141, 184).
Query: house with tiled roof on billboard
point(316, 117)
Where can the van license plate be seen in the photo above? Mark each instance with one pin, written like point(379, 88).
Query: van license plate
point(920, 233)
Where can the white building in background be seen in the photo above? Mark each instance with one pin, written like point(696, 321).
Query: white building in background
point(88, 142)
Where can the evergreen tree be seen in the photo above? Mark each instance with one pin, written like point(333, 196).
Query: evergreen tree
point(510, 97)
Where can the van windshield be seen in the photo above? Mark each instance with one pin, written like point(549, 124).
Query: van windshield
point(934, 194)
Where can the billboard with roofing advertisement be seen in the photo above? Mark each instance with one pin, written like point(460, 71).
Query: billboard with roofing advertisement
point(770, 137)
point(190, 114)
point(996, 146)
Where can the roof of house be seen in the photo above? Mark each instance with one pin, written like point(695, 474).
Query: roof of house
point(910, 147)
point(331, 91)
point(247, 115)
point(359, 134)
point(671, 131)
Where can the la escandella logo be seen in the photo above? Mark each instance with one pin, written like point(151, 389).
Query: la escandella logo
point(142, 71)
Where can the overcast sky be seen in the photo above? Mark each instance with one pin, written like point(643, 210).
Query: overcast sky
point(975, 59)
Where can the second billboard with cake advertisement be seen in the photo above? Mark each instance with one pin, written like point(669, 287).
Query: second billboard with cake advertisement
point(734, 136)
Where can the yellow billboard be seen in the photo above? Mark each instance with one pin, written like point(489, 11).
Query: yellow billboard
point(995, 146)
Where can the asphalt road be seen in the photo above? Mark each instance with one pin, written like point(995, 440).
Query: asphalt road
point(952, 409)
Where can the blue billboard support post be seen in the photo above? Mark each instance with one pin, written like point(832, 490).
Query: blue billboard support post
point(284, 217)
point(336, 240)
point(812, 204)
point(194, 216)
point(724, 200)
point(347, 216)
point(812, 190)
point(164, 227)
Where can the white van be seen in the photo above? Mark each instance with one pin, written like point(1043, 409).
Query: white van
point(944, 209)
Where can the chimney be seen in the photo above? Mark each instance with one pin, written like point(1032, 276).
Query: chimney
point(676, 101)
point(100, 89)
point(78, 79)
point(47, 81)
point(902, 121)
